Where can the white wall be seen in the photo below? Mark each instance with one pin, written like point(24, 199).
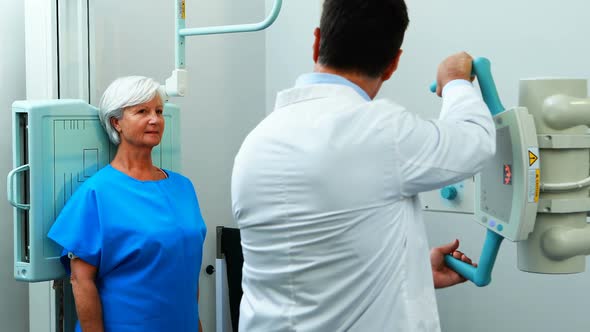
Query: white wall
point(524, 38)
point(14, 298)
point(288, 45)
point(225, 98)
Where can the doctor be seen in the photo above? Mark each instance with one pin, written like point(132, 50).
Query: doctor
point(325, 188)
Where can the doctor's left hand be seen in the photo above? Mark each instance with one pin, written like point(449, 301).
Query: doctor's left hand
point(443, 275)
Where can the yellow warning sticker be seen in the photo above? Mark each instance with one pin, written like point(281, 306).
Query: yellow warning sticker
point(537, 184)
point(534, 185)
point(532, 158)
point(182, 10)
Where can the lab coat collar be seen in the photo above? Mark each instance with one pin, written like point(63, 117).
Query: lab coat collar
point(325, 78)
point(321, 85)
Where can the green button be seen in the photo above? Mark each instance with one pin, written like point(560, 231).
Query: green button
point(500, 228)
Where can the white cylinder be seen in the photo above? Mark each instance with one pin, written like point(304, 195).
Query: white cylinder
point(541, 252)
point(534, 91)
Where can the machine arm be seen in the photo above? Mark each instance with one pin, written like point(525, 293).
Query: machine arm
point(176, 83)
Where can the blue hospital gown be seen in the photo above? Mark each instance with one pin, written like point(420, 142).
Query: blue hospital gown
point(146, 239)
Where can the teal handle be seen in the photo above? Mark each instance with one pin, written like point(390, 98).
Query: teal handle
point(10, 187)
point(482, 70)
point(482, 274)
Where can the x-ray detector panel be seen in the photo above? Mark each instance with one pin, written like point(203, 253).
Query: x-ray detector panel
point(59, 144)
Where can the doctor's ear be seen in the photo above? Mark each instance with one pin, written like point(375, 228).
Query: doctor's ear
point(392, 67)
point(316, 45)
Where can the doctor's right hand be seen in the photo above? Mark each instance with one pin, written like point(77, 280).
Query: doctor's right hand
point(455, 67)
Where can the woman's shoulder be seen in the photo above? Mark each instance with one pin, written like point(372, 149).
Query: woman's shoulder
point(178, 179)
point(89, 187)
point(104, 180)
point(172, 174)
point(100, 177)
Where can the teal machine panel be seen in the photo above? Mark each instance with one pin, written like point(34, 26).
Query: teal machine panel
point(57, 145)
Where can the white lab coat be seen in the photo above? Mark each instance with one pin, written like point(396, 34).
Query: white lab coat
point(324, 192)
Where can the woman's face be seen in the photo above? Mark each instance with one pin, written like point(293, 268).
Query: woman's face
point(142, 125)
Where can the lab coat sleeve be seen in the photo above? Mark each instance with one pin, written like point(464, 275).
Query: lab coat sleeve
point(436, 153)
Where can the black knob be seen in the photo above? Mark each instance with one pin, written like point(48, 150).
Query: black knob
point(210, 269)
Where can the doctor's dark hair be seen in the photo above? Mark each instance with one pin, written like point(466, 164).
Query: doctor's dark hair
point(122, 93)
point(361, 35)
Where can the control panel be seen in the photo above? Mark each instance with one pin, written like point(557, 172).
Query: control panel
point(507, 189)
point(454, 198)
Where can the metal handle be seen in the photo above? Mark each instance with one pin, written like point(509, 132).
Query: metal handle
point(10, 187)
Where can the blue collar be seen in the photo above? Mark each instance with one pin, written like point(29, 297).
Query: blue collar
point(323, 78)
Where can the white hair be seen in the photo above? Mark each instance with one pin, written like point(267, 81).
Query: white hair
point(122, 93)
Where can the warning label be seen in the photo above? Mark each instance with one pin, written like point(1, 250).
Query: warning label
point(534, 188)
point(534, 183)
point(182, 9)
point(534, 158)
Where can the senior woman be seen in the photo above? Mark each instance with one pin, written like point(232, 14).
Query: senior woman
point(133, 233)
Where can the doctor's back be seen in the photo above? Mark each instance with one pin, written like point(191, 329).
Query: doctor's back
point(325, 226)
point(324, 190)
